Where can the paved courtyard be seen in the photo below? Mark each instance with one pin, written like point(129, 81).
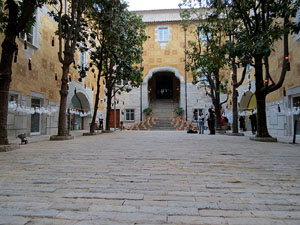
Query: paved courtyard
point(150, 177)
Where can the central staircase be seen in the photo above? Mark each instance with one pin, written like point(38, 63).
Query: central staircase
point(163, 110)
point(163, 118)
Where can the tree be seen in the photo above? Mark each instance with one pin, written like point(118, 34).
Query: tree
point(206, 56)
point(15, 17)
point(264, 23)
point(101, 20)
point(230, 26)
point(116, 51)
point(72, 33)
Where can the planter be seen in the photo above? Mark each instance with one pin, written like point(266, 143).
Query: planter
point(61, 138)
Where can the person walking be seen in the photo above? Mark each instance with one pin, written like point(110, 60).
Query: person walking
point(201, 119)
point(252, 117)
point(211, 121)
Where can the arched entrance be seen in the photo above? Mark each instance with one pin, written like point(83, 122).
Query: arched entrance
point(248, 101)
point(164, 85)
point(78, 106)
point(163, 82)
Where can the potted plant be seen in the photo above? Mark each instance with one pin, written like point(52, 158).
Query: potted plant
point(179, 111)
point(147, 111)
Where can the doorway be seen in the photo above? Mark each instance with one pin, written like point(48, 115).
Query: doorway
point(111, 121)
point(164, 85)
point(35, 128)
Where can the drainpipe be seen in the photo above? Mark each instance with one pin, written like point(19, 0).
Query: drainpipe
point(185, 74)
point(141, 96)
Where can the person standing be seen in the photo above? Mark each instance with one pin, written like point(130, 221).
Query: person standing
point(201, 119)
point(211, 120)
point(252, 117)
point(242, 123)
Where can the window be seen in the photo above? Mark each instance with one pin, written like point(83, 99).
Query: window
point(36, 117)
point(196, 113)
point(297, 20)
point(13, 98)
point(122, 82)
point(163, 34)
point(29, 36)
point(82, 59)
point(129, 116)
point(204, 37)
point(296, 105)
point(249, 68)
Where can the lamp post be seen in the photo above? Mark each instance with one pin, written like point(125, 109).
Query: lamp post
point(115, 114)
point(141, 94)
point(185, 74)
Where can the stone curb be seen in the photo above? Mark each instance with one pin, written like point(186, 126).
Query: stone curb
point(263, 139)
point(8, 148)
point(91, 134)
point(235, 134)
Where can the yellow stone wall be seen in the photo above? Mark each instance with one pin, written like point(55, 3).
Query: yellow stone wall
point(45, 64)
point(292, 78)
point(173, 54)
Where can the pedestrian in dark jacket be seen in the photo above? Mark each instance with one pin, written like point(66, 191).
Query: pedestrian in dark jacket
point(242, 123)
point(252, 117)
point(211, 120)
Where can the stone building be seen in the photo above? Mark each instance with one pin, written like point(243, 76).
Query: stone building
point(34, 92)
point(166, 85)
point(283, 105)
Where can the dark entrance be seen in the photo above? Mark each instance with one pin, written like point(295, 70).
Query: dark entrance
point(164, 85)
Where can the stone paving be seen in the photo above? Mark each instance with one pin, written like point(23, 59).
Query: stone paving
point(151, 177)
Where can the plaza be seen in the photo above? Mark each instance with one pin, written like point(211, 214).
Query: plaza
point(151, 177)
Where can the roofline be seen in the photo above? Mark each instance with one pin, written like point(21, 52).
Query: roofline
point(159, 10)
point(154, 10)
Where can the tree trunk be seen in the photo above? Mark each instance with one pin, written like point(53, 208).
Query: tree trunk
point(218, 111)
point(235, 127)
point(217, 104)
point(8, 48)
point(108, 109)
point(262, 129)
point(92, 128)
point(62, 119)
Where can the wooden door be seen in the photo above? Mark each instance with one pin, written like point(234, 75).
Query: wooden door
point(117, 118)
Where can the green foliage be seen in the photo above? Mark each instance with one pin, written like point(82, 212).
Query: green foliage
point(147, 111)
point(72, 31)
point(179, 111)
point(19, 14)
point(117, 44)
point(206, 53)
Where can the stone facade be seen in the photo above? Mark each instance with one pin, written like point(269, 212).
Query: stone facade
point(164, 51)
point(40, 82)
point(280, 121)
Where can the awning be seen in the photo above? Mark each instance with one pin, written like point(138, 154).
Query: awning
point(248, 101)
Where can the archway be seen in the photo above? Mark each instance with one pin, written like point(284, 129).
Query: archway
point(177, 85)
point(248, 101)
point(164, 85)
point(79, 105)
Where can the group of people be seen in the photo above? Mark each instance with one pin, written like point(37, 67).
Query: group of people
point(211, 118)
point(253, 121)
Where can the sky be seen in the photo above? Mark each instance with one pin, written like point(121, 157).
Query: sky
point(153, 4)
